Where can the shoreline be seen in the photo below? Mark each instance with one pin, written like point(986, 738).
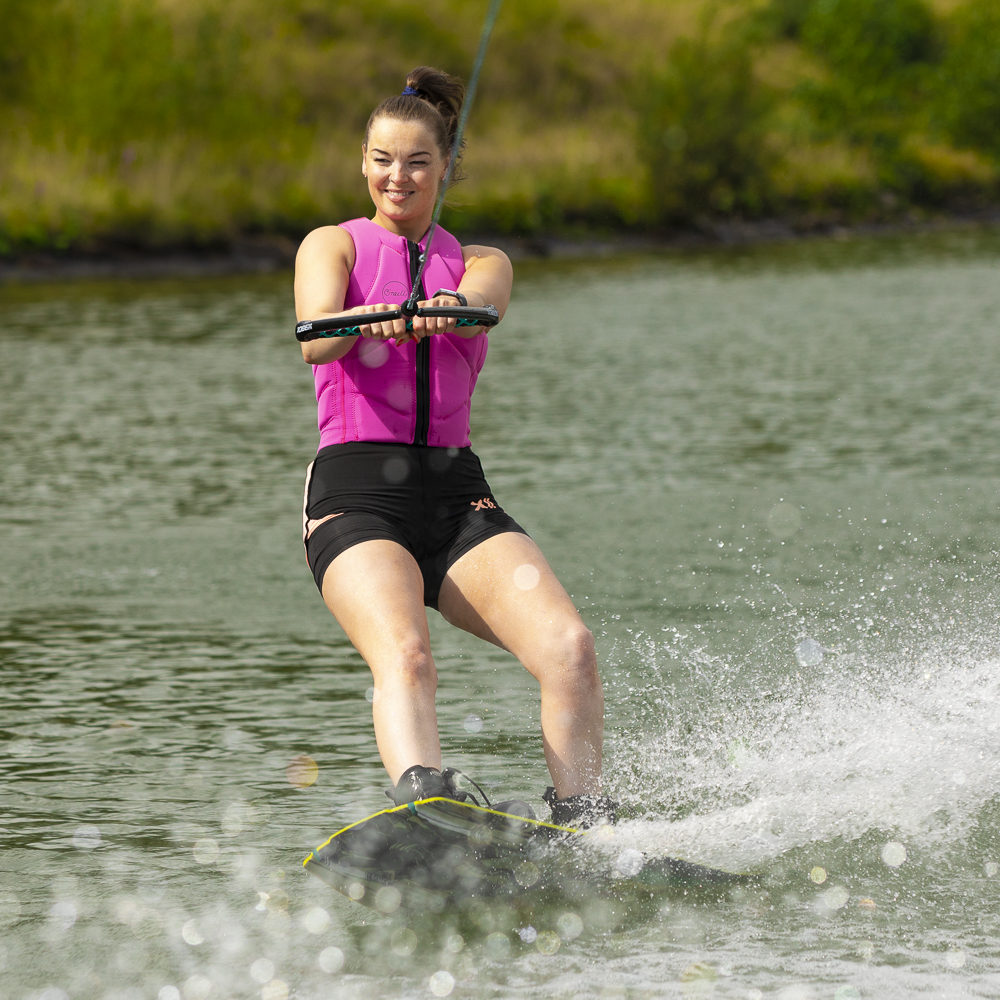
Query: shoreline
point(272, 254)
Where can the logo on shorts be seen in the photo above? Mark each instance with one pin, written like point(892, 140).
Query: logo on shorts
point(394, 290)
point(485, 504)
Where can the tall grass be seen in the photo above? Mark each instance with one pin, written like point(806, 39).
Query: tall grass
point(197, 122)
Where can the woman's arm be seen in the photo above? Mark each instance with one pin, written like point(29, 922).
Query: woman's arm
point(322, 271)
point(488, 278)
point(487, 282)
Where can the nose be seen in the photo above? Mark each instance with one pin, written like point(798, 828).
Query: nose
point(398, 174)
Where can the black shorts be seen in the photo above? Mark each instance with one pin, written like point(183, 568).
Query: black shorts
point(435, 502)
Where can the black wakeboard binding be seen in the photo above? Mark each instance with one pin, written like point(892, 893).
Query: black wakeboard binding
point(580, 810)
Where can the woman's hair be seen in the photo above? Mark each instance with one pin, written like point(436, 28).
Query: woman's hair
point(432, 97)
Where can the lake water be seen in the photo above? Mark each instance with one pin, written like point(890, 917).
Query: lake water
point(769, 479)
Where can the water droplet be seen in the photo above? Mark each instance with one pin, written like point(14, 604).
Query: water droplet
point(497, 946)
point(63, 915)
point(547, 943)
point(569, 926)
point(629, 862)
point(395, 470)
point(959, 778)
point(454, 943)
point(991, 869)
point(191, 933)
point(275, 990)
point(526, 577)
point(387, 899)
point(86, 838)
point(835, 898)
point(373, 353)
point(784, 520)
point(473, 724)
point(894, 854)
point(262, 971)
point(800, 991)
point(441, 983)
point(234, 818)
point(302, 771)
point(808, 653)
point(169, 993)
point(818, 875)
point(197, 988)
point(526, 874)
point(370, 695)
point(527, 934)
point(331, 959)
point(206, 851)
point(955, 959)
point(404, 942)
point(317, 919)
point(847, 993)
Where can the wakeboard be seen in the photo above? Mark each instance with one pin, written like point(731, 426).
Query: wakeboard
point(427, 854)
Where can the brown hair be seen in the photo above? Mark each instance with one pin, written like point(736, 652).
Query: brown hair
point(436, 105)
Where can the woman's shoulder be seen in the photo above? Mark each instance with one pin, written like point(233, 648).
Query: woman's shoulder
point(473, 251)
point(327, 243)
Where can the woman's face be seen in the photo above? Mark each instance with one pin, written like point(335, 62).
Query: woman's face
point(404, 168)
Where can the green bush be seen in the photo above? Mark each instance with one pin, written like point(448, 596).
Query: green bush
point(968, 96)
point(106, 73)
point(702, 132)
point(880, 55)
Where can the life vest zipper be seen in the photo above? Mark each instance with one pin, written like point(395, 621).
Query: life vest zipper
point(423, 361)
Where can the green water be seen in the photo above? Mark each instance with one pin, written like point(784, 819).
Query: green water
point(769, 480)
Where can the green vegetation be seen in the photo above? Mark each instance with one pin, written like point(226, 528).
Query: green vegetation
point(153, 123)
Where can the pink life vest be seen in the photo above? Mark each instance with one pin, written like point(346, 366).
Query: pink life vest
point(413, 394)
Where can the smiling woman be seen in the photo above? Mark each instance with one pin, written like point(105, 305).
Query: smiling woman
point(398, 514)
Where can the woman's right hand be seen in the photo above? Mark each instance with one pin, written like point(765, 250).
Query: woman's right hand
point(385, 330)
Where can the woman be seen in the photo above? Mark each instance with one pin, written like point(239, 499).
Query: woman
point(397, 512)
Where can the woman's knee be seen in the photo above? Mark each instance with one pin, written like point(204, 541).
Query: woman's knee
point(579, 649)
point(410, 664)
point(571, 659)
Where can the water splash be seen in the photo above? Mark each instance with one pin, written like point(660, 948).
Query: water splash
point(730, 773)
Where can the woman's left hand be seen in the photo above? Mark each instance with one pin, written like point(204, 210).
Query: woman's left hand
point(425, 326)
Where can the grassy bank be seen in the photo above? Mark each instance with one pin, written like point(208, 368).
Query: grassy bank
point(165, 123)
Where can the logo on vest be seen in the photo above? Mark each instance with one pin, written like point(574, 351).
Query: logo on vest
point(394, 290)
point(485, 504)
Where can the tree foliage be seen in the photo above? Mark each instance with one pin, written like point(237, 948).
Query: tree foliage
point(702, 132)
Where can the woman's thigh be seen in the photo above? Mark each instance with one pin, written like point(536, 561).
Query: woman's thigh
point(504, 591)
point(376, 591)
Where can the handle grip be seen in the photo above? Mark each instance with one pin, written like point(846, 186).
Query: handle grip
point(349, 326)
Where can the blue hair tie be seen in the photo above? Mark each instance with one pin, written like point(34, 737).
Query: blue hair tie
point(411, 92)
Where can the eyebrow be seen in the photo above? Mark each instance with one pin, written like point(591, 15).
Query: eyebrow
point(422, 152)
